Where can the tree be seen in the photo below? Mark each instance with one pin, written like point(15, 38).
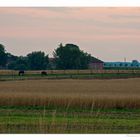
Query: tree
point(85, 58)
point(71, 57)
point(37, 60)
point(3, 56)
point(11, 58)
point(19, 63)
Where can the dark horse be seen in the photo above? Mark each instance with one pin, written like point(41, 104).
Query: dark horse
point(44, 73)
point(21, 73)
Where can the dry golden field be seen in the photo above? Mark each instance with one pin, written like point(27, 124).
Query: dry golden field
point(70, 106)
point(122, 93)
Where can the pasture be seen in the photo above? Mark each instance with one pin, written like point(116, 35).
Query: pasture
point(6, 75)
point(70, 106)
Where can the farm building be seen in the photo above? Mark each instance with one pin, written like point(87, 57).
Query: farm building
point(96, 64)
point(133, 64)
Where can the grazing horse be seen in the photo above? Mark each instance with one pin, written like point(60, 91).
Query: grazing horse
point(43, 73)
point(21, 73)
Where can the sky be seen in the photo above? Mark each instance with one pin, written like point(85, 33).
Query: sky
point(110, 34)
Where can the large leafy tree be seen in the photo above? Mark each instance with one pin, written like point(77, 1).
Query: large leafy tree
point(37, 60)
point(3, 56)
point(71, 57)
point(18, 63)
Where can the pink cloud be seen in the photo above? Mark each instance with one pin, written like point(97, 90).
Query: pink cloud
point(86, 25)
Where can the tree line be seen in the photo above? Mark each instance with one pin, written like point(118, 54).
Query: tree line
point(67, 56)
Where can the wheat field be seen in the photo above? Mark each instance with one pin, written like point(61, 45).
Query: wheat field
point(123, 93)
point(70, 106)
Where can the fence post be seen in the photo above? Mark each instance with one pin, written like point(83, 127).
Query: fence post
point(91, 71)
point(78, 72)
point(64, 72)
point(133, 73)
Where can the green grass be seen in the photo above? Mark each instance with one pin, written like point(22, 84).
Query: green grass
point(71, 76)
point(41, 120)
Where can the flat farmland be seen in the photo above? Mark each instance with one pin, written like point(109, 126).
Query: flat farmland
point(70, 106)
point(7, 75)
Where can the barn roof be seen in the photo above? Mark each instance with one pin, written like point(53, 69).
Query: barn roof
point(95, 60)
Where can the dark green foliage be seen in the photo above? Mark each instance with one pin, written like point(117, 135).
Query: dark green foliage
point(20, 63)
point(71, 57)
point(33, 61)
point(3, 56)
point(37, 60)
point(65, 57)
point(11, 57)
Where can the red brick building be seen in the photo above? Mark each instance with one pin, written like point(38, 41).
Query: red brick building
point(96, 64)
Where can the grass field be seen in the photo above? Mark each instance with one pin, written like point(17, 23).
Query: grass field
point(6, 75)
point(70, 106)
